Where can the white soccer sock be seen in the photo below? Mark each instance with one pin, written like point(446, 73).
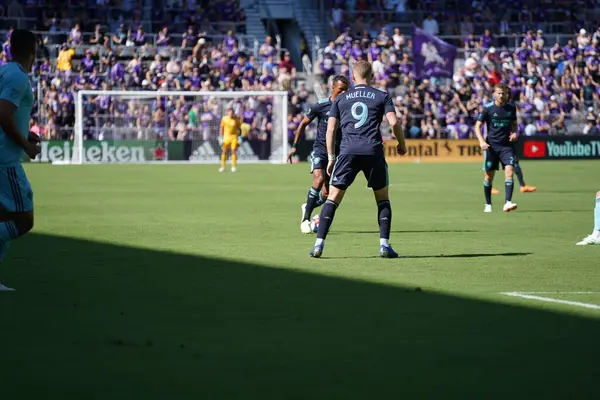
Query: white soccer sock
point(596, 234)
point(320, 242)
point(384, 242)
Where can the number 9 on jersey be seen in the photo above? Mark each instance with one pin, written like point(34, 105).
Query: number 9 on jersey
point(361, 115)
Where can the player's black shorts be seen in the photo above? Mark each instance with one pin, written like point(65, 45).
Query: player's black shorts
point(496, 155)
point(348, 166)
point(318, 160)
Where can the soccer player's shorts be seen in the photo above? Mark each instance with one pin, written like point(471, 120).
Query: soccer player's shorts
point(348, 166)
point(15, 191)
point(496, 155)
point(318, 160)
point(230, 143)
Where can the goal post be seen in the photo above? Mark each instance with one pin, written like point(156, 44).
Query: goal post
point(123, 126)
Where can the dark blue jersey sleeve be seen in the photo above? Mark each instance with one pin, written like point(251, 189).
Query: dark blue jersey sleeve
point(313, 112)
point(335, 110)
point(388, 105)
point(482, 115)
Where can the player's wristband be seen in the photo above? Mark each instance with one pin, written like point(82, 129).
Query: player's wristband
point(331, 157)
point(294, 146)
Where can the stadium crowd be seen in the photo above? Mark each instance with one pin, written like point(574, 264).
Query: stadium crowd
point(202, 57)
point(98, 47)
point(555, 84)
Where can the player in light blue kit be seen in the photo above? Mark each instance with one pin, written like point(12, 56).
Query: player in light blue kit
point(16, 101)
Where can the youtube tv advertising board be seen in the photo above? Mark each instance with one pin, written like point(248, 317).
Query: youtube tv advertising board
point(578, 147)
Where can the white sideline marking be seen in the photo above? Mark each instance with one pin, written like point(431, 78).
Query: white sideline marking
point(558, 292)
point(551, 300)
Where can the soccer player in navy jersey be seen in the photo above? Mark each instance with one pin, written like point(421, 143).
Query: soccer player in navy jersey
point(318, 158)
point(359, 112)
point(500, 117)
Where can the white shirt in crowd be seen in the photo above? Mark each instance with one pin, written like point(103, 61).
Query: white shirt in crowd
point(378, 67)
point(530, 130)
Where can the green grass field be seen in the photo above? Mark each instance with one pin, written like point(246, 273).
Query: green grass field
point(163, 282)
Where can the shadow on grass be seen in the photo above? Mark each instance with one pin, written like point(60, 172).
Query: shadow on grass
point(466, 255)
point(99, 321)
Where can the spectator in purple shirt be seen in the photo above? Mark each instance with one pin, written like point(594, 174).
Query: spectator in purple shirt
point(373, 52)
point(356, 53)
point(75, 36)
point(230, 41)
point(117, 72)
point(542, 125)
point(463, 129)
point(485, 42)
point(87, 63)
point(139, 39)
point(162, 39)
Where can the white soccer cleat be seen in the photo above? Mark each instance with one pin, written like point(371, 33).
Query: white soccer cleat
point(305, 227)
point(233, 169)
point(488, 208)
point(6, 288)
point(221, 169)
point(591, 239)
point(509, 206)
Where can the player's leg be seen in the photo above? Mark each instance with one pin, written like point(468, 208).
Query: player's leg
point(507, 158)
point(519, 172)
point(317, 168)
point(16, 200)
point(234, 147)
point(224, 150)
point(312, 199)
point(344, 173)
point(490, 166)
point(594, 238)
point(376, 172)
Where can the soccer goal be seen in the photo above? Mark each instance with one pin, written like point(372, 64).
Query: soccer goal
point(172, 127)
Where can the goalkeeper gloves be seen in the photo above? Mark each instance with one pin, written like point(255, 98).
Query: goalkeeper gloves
point(220, 140)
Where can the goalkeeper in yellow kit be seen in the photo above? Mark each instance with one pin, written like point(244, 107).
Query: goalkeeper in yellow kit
point(228, 137)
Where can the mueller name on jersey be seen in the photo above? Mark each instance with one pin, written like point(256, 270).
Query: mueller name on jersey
point(360, 94)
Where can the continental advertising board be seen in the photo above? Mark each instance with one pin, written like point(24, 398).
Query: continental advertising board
point(435, 150)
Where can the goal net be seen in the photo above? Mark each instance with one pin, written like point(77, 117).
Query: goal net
point(175, 126)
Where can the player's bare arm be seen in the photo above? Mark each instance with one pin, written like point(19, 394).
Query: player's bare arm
point(332, 124)
point(397, 131)
point(9, 126)
point(299, 131)
point(482, 142)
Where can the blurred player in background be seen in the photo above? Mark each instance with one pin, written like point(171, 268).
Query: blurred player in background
point(16, 102)
point(360, 111)
point(319, 189)
point(500, 118)
point(228, 137)
point(524, 188)
point(594, 238)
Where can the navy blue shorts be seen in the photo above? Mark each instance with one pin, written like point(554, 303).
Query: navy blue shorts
point(496, 155)
point(318, 160)
point(348, 166)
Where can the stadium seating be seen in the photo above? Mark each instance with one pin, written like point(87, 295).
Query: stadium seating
point(170, 44)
